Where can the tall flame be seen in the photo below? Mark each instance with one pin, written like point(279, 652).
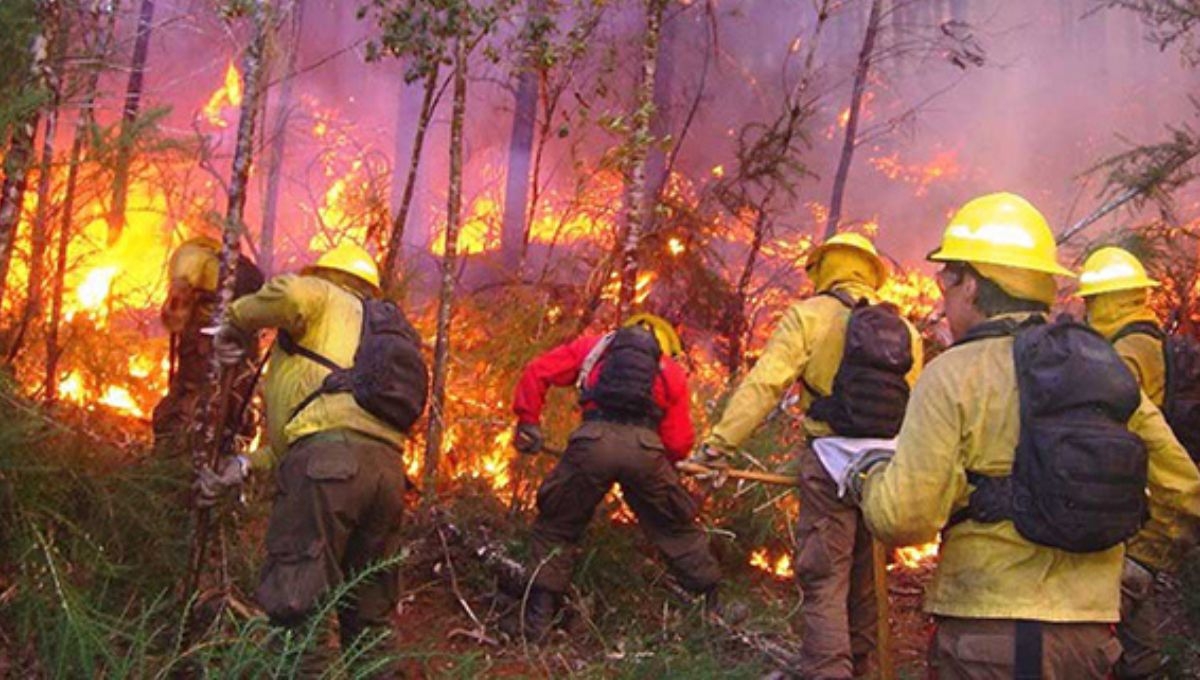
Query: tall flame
point(228, 95)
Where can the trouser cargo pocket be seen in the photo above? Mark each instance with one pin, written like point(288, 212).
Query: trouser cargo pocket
point(295, 577)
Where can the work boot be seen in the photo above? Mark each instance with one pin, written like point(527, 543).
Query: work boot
point(541, 606)
point(730, 612)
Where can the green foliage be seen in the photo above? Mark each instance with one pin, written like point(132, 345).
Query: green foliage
point(1168, 23)
point(423, 32)
point(20, 93)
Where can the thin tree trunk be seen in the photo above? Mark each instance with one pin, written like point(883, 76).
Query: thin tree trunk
point(737, 335)
point(657, 168)
point(283, 112)
point(50, 75)
point(129, 112)
point(520, 148)
point(441, 350)
point(395, 244)
point(639, 144)
point(86, 118)
point(856, 96)
point(16, 165)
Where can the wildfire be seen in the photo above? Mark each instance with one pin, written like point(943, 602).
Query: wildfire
point(95, 287)
point(914, 557)
point(944, 166)
point(780, 567)
point(493, 465)
point(228, 95)
point(675, 246)
point(915, 293)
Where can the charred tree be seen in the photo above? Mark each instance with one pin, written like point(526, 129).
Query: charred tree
point(395, 241)
point(865, 55)
point(102, 19)
point(129, 113)
point(278, 143)
point(441, 350)
point(520, 149)
point(638, 146)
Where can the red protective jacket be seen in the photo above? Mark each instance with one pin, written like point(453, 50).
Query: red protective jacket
point(560, 367)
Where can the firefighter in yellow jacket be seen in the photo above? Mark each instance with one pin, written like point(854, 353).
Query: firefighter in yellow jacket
point(833, 563)
point(1003, 604)
point(340, 473)
point(191, 296)
point(1116, 288)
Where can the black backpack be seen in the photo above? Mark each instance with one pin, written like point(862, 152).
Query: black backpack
point(629, 364)
point(1078, 480)
point(870, 391)
point(389, 378)
point(1181, 400)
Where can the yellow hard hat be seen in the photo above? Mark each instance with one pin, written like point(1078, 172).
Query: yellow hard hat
point(854, 241)
point(1111, 269)
point(1002, 229)
point(352, 259)
point(664, 332)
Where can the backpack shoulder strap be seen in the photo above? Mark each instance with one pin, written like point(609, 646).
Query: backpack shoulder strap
point(1143, 327)
point(593, 358)
point(999, 328)
point(289, 345)
point(841, 296)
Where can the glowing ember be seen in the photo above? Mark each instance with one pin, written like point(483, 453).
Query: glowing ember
point(718, 171)
point(675, 246)
point(228, 95)
point(780, 567)
point(916, 556)
point(121, 400)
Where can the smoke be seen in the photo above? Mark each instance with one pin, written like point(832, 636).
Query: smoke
point(1057, 90)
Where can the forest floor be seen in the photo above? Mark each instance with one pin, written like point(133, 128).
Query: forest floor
point(94, 542)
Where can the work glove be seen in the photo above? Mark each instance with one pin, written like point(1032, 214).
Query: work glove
point(715, 460)
point(856, 472)
point(528, 438)
point(210, 485)
point(229, 343)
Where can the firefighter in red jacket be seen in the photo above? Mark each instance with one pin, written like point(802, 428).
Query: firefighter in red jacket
point(636, 425)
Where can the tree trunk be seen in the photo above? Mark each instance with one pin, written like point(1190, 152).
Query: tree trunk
point(16, 166)
point(660, 124)
point(738, 330)
point(86, 118)
point(50, 76)
point(129, 112)
point(856, 96)
point(520, 148)
point(278, 141)
point(395, 243)
point(639, 144)
point(441, 350)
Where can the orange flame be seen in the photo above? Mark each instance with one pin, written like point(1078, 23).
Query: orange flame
point(916, 556)
point(780, 567)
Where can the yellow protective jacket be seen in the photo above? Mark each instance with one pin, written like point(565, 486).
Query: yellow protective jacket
point(1155, 546)
point(326, 319)
point(806, 344)
point(963, 415)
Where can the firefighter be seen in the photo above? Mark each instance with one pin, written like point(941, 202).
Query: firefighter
point(191, 297)
point(1116, 289)
point(833, 564)
point(1004, 604)
point(340, 474)
point(636, 422)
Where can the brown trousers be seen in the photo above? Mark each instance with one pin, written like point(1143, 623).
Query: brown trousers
point(1140, 627)
point(835, 570)
point(599, 455)
point(985, 649)
point(337, 512)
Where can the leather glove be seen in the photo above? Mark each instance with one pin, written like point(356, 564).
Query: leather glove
point(210, 485)
point(528, 438)
point(716, 460)
point(229, 343)
point(856, 472)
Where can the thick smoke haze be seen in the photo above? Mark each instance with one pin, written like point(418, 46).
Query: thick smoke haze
point(1059, 87)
